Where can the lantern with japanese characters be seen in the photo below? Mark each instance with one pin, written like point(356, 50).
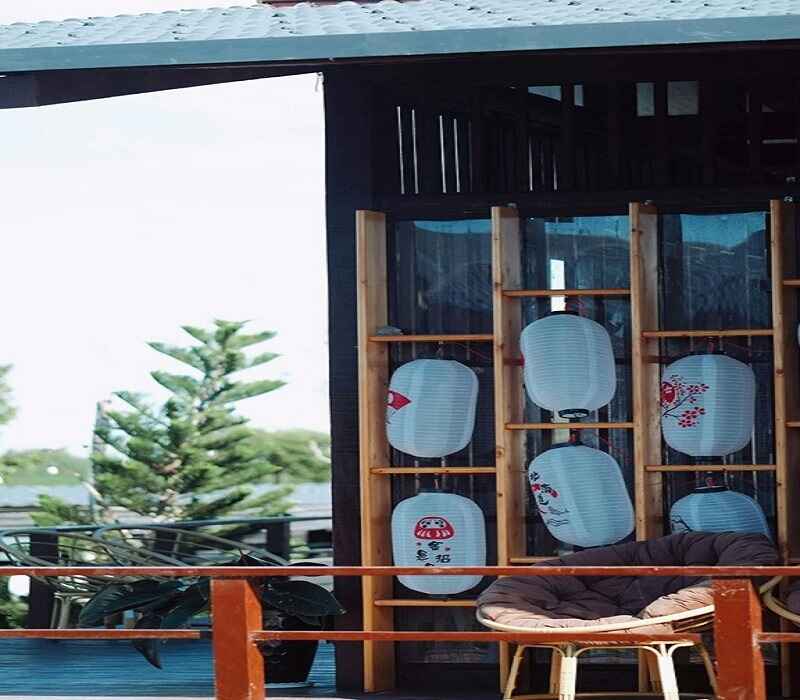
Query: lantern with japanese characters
point(435, 528)
point(707, 405)
point(430, 410)
point(569, 364)
point(581, 495)
point(718, 509)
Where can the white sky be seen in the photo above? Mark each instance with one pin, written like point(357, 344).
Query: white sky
point(127, 217)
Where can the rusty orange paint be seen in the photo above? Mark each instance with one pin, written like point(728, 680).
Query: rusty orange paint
point(235, 618)
point(737, 630)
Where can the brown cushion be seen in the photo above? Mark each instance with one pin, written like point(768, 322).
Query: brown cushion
point(554, 602)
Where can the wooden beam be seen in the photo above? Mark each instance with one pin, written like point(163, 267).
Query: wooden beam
point(737, 622)
point(785, 364)
point(235, 618)
point(376, 496)
point(508, 393)
point(710, 333)
point(646, 375)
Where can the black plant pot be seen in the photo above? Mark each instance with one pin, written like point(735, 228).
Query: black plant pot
point(287, 662)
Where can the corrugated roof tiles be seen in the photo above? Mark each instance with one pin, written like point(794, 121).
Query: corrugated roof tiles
point(307, 31)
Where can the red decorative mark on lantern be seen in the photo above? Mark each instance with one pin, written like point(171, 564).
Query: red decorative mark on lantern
point(675, 394)
point(433, 527)
point(396, 400)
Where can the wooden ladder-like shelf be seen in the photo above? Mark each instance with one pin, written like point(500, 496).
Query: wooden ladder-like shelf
point(510, 457)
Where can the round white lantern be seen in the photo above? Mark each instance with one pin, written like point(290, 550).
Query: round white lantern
point(718, 509)
point(707, 405)
point(430, 410)
point(581, 495)
point(569, 364)
point(438, 529)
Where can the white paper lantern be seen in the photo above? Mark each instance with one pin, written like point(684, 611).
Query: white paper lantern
point(581, 495)
point(707, 405)
point(430, 410)
point(569, 364)
point(438, 529)
point(718, 509)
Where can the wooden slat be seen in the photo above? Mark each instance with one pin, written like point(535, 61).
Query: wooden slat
point(624, 425)
point(566, 292)
point(528, 560)
point(710, 468)
point(376, 497)
point(793, 282)
point(737, 622)
point(710, 333)
point(646, 379)
point(424, 603)
point(793, 423)
point(449, 338)
point(508, 393)
point(400, 471)
point(779, 637)
point(238, 663)
point(550, 637)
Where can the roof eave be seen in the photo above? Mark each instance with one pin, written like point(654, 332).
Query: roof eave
point(319, 50)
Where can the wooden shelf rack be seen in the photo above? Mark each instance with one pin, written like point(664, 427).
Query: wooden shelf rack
point(510, 457)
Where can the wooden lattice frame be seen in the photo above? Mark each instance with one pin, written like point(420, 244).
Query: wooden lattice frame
point(376, 505)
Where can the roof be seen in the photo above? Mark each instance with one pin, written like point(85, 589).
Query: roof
point(308, 32)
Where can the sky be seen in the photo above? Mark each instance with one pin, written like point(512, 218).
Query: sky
point(128, 217)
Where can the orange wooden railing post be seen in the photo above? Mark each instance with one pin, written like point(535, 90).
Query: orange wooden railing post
point(737, 624)
point(236, 616)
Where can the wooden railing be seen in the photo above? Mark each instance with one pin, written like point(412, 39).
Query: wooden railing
point(236, 629)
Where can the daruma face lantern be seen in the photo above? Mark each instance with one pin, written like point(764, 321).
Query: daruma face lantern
point(707, 405)
point(569, 364)
point(581, 495)
point(718, 509)
point(430, 410)
point(438, 529)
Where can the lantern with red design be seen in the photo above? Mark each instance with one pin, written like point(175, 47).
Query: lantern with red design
point(433, 529)
point(430, 409)
point(707, 405)
point(581, 495)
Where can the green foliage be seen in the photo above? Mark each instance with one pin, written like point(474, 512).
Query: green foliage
point(173, 604)
point(7, 411)
point(12, 610)
point(193, 456)
point(300, 455)
point(30, 468)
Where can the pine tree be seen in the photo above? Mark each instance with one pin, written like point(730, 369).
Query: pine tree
point(193, 457)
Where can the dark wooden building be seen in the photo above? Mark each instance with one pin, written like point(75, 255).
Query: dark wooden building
point(577, 120)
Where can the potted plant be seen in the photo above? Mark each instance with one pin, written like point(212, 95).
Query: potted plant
point(173, 603)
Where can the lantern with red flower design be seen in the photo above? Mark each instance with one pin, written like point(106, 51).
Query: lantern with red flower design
point(707, 405)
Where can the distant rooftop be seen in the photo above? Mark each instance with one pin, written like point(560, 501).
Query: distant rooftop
point(309, 32)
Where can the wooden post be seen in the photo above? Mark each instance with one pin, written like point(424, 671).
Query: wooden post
point(737, 622)
point(646, 381)
point(645, 369)
point(279, 538)
point(238, 664)
point(786, 364)
point(376, 496)
point(41, 599)
point(508, 395)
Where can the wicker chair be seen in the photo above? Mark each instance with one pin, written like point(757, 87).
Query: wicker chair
point(564, 667)
point(189, 547)
point(774, 604)
point(71, 549)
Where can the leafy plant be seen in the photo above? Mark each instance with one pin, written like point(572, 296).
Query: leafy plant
point(172, 604)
